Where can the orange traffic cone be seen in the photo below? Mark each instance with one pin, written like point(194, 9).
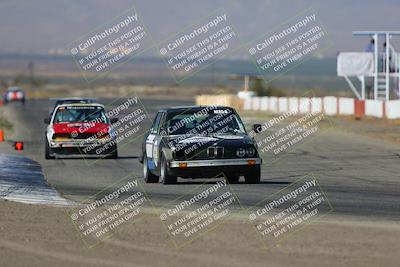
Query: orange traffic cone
point(1, 135)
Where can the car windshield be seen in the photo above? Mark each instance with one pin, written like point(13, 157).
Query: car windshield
point(14, 89)
point(222, 121)
point(72, 101)
point(80, 114)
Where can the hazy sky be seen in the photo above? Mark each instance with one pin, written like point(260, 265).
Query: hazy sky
point(35, 26)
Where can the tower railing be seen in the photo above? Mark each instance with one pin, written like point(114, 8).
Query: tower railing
point(383, 66)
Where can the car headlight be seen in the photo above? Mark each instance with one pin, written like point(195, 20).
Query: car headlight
point(177, 153)
point(250, 152)
point(240, 152)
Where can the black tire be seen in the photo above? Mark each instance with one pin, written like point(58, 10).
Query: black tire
point(165, 175)
point(232, 178)
point(113, 153)
point(253, 176)
point(148, 177)
point(47, 151)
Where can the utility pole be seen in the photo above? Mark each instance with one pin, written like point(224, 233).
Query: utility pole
point(31, 68)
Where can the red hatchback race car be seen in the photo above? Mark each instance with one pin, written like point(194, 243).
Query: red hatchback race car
point(82, 129)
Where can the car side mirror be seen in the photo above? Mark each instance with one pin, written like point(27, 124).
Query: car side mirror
point(257, 128)
point(113, 120)
point(163, 131)
point(46, 120)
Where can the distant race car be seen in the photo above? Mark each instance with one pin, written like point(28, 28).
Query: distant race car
point(80, 129)
point(14, 94)
point(70, 100)
point(199, 142)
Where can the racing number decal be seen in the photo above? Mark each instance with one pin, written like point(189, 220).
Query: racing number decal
point(152, 142)
point(155, 152)
point(149, 146)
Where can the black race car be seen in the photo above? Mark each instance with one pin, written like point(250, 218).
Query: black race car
point(199, 142)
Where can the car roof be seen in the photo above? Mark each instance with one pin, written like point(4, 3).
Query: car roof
point(193, 107)
point(14, 88)
point(81, 105)
point(72, 98)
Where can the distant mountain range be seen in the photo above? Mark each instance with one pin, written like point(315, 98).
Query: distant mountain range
point(41, 26)
point(313, 73)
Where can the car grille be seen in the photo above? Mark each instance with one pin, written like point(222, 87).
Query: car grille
point(211, 152)
point(75, 136)
point(215, 152)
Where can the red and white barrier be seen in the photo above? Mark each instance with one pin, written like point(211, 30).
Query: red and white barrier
point(256, 103)
point(247, 103)
point(316, 104)
point(304, 105)
point(282, 104)
point(392, 109)
point(328, 105)
point(273, 104)
point(374, 108)
point(264, 103)
point(293, 104)
point(346, 106)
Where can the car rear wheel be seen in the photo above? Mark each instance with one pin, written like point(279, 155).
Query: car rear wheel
point(253, 176)
point(147, 175)
point(165, 175)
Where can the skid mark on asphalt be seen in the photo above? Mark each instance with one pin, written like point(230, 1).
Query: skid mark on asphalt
point(22, 180)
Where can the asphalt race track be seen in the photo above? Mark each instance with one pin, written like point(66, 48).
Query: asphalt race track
point(360, 176)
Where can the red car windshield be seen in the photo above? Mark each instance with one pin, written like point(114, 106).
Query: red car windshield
point(80, 114)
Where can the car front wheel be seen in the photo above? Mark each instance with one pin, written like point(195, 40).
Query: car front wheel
point(113, 152)
point(47, 151)
point(253, 176)
point(165, 175)
point(147, 175)
point(232, 178)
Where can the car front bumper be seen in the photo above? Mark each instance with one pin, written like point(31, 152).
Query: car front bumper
point(82, 147)
point(214, 168)
point(77, 143)
point(215, 163)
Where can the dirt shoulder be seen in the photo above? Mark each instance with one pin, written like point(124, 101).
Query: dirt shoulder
point(179, 92)
point(5, 124)
point(44, 236)
point(374, 128)
point(381, 129)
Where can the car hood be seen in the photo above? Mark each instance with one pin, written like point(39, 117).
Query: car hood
point(220, 139)
point(81, 127)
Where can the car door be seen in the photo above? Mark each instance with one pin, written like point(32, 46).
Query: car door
point(153, 141)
